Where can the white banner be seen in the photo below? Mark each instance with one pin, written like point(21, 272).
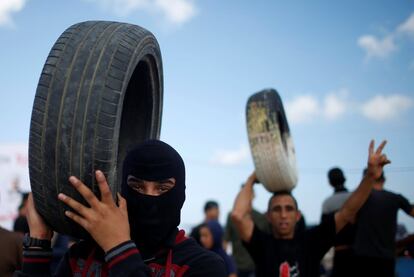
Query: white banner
point(14, 180)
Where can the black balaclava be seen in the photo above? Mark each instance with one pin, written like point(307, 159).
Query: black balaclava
point(154, 219)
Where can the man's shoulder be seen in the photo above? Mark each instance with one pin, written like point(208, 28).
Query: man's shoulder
point(329, 220)
point(381, 195)
point(259, 238)
point(391, 193)
point(326, 226)
point(190, 250)
point(84, 248)
point(198, 259)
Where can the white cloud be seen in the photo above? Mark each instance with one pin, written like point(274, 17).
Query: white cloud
point(377, 47)
point(380, 48)
point(407, 26)
point(175, 11)
point(381, 108)
point(302, 109)
point(7, 7)
point(307, 108)
point(231, 157)
point(335, 104)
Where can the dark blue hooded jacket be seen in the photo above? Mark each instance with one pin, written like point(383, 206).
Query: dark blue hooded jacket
point(217, 232)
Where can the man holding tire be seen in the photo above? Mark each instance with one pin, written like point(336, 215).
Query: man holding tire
point(137, 237)
point(284, 254)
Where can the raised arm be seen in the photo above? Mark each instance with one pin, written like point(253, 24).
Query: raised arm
point(37, 226)
point(241, 213)
point(36, 259)
point(376, 161)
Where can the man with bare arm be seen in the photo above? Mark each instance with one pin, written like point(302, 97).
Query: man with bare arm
point(284, 254)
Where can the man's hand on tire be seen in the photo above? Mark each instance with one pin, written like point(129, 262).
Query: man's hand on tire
point(106, 222)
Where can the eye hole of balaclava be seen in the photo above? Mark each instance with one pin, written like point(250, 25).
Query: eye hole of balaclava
point(154, 219)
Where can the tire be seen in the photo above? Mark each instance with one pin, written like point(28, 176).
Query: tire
point(100, 92)
point(270, 141)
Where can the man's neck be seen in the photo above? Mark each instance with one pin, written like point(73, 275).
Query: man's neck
point(283, 237)
point(378, 186)
point(340, 189)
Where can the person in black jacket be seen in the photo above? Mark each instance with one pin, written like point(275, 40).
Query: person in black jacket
point(211, 237)
point(137, 237)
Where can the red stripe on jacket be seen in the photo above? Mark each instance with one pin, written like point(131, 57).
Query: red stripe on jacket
point(123, 256)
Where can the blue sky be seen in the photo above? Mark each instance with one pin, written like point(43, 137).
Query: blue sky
point(344, 70)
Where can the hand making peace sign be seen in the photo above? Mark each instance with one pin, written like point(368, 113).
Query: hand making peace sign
point(376, 160)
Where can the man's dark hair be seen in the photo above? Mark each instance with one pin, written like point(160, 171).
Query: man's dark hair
point(336, 177)
point(380, 179)
point(282, 193)
point(210, 204)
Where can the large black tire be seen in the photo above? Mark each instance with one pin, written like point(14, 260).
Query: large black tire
point(270, 141)
point(100, 93)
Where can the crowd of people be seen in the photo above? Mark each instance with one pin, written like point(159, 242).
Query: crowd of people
point(137, 233)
